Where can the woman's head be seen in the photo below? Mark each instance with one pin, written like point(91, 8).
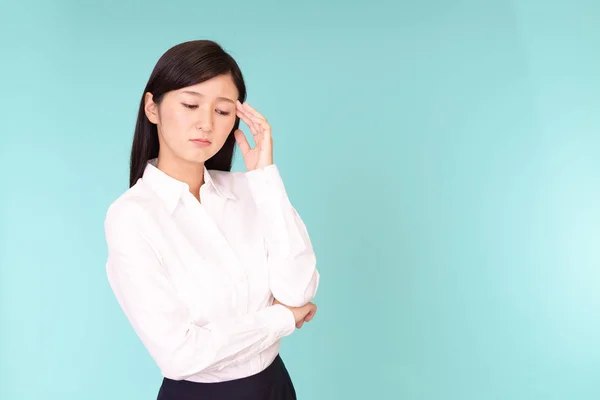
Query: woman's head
point(188, 110)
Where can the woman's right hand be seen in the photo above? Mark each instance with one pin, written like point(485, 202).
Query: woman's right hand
point(301, 314)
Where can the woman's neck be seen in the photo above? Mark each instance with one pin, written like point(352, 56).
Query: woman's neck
point(190, 173)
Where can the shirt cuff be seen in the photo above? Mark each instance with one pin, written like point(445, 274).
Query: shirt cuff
point(266, 184)
point(280, 320)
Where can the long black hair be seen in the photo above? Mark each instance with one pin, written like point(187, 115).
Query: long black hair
point(184, 65)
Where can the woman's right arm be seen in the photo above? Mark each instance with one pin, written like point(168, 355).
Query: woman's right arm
point(144, 292)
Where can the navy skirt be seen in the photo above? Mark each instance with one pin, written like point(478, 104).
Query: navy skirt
point(274, 383)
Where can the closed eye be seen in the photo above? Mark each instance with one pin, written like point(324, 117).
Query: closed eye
point(194, 106)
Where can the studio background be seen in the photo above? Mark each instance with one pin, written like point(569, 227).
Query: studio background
point(443, 154)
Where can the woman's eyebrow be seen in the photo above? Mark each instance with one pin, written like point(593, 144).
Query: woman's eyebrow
point(201, 95)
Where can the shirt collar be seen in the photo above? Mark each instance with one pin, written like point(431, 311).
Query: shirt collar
point(170, 189)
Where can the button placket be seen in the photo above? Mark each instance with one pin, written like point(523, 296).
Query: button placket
point(230, 261)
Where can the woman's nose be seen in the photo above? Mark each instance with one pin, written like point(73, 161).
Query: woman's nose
point(205, 121)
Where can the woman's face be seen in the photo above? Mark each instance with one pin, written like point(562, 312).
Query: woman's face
point(194, 122)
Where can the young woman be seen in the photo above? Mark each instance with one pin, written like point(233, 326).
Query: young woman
point(211, 267)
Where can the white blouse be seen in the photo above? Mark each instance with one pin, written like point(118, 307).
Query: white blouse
point(197, 280)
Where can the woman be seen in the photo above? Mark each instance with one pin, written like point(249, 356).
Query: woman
point(211, 267)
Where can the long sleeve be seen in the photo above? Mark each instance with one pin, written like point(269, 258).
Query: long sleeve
point(162, 321)
point(293, 276)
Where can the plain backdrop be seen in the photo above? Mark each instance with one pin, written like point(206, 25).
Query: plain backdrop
point(443, 154)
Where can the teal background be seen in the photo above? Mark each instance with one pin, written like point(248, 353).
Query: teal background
point(444, 155)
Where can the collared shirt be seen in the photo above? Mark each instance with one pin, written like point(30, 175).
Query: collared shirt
point(196, 280)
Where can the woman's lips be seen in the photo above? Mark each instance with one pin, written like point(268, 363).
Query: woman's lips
point(200, 142)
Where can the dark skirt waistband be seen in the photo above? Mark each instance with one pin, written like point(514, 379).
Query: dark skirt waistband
point(274, 383)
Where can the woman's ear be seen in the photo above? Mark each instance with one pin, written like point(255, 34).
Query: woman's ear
point(150, 108)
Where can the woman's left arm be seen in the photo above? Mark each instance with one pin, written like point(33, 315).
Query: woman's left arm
point(293, 276)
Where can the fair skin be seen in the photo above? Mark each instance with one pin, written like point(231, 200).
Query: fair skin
point(193, 124)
